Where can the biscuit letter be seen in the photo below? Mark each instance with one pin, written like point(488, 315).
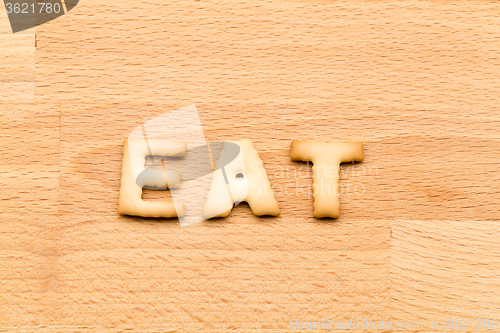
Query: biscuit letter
point(135, 177)
point(326, 159)
point(240, 179)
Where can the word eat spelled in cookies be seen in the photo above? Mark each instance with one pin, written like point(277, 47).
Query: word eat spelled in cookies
point(238, 175)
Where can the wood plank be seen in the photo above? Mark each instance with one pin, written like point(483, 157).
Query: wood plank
point(413, 54)
point(403, 172)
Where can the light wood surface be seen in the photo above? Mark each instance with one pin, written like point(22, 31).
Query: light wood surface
point(417, 82)
point(17, 63)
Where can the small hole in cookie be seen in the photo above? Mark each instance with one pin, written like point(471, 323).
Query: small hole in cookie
point(239, 176)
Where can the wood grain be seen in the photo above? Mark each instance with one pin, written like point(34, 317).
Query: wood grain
point(416, 81)
point(17, 63)
point(17, 71)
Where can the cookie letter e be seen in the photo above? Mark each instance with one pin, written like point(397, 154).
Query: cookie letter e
point(135, 176)
point(326, 159)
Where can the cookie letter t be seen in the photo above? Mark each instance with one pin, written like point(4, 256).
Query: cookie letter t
point(326, 158)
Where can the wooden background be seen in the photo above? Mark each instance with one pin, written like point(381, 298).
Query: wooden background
point(418, 82)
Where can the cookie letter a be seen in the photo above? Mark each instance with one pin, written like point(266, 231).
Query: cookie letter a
point(326, 159)
point(240, 176)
